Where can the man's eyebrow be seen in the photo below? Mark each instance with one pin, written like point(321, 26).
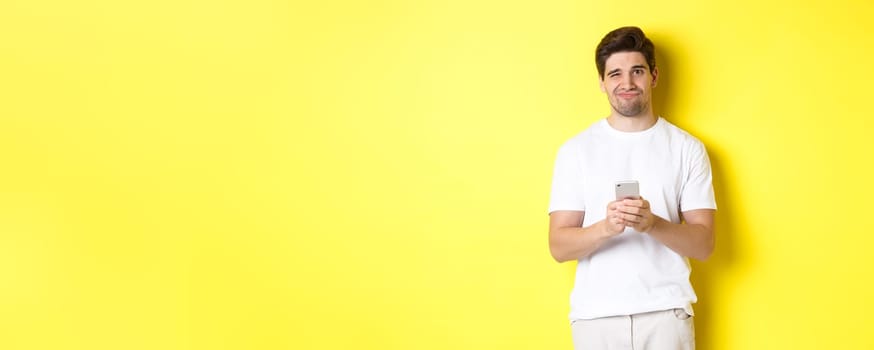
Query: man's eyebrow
point(638, 66)
point(613, 71)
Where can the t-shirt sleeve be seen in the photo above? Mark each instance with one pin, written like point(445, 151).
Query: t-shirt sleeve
point(698, 186)
point(567, 184)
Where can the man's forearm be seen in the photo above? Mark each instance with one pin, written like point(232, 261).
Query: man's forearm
point(573, 243)
point(692, 240)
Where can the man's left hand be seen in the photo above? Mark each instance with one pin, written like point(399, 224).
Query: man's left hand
point(637, 215)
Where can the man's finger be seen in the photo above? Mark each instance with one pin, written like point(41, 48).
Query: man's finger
point(630, 210)
point(631, 218)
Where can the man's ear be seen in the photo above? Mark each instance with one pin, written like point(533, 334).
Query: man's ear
point(601, 83)
point(655, 77)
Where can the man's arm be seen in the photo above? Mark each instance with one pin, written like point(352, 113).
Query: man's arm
point(569, 241)
point(694, 238)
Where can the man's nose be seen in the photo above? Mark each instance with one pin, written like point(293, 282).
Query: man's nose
point(627, 81)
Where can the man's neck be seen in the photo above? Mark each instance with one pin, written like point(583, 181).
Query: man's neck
point(632, 124)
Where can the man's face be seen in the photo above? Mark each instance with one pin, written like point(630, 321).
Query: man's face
point(628, 83)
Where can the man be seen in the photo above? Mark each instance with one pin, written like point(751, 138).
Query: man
point(632, 288)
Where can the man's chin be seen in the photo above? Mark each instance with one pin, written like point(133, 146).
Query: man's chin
point(630, 113)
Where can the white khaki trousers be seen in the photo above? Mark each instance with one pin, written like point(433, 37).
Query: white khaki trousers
point(659, 330)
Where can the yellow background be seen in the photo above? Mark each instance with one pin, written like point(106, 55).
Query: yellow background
point(375, 174)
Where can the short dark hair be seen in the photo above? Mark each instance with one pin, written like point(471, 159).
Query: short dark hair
point(625, 39)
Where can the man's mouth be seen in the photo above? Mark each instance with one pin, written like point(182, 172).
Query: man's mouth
point(627, 95)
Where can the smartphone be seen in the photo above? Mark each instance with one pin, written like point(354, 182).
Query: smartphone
point(627, 190)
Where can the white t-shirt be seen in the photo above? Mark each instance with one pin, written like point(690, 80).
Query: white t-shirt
point(632, 272)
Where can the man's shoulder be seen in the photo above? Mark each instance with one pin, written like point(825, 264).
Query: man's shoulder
point(586, 135)
point(675, 132)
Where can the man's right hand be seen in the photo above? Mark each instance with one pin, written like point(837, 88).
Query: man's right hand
point(614, 224)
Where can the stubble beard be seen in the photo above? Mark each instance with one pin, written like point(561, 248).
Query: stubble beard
point(631, 108)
